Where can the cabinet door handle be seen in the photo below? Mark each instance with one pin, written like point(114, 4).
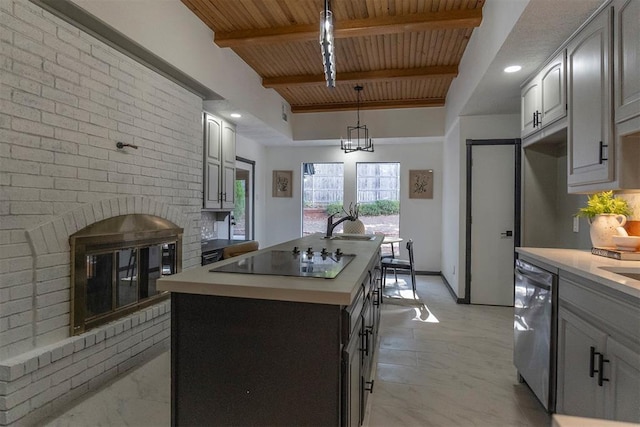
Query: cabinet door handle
point(538, 121)
point(592, 361)
point(601, 362)
point(601, 157)
point(370, 386)
point(534, 119)
point(376, 299)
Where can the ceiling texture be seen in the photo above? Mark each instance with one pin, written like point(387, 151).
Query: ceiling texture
point(405, 53)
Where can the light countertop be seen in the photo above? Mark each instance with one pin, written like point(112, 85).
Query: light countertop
point(583, 263)
point(338, 291)
point(570, 421)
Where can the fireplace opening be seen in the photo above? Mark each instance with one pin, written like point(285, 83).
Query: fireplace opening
point(115, 265)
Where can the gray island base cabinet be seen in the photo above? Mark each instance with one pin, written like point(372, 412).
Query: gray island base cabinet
point(242, 360)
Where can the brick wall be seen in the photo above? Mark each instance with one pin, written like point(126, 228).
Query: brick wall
point(65, 100)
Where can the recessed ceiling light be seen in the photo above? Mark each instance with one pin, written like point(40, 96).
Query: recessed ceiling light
point(236, 115)
point(512, 69)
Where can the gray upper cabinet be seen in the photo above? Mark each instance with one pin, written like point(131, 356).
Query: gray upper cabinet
point(543, 98)
point(626, 25)
point(219, 163)
point(590, 140)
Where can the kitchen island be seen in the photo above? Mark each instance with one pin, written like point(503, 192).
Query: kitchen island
point(264, 349)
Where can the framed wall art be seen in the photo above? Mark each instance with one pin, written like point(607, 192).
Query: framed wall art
point(421, 184)
point(282, 184)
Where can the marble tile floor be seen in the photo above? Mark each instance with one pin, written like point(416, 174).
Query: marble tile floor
point(438, 364)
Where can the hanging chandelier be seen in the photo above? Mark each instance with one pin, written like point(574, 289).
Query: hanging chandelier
point(353, 142)
point(326, 45)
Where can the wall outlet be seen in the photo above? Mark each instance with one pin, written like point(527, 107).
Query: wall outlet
point(576, 224)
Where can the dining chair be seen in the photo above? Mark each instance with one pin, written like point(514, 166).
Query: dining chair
point(400, 264)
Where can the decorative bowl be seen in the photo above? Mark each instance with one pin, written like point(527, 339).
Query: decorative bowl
point(627, 243)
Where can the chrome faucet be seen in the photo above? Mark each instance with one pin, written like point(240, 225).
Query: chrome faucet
point(332, 225)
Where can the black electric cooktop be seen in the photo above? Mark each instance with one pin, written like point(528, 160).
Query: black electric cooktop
point(290, 263)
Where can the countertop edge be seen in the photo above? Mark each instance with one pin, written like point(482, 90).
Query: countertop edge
point(339, 291)
point(584, 264)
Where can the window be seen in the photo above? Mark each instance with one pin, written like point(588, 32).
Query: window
point(323, 190)
point(378, 192)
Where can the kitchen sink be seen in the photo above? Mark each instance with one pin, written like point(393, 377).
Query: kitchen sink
point(352, 237)
point(631, 273)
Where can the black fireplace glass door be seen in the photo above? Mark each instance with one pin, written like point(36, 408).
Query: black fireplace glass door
point(150, 270)
point(127, 277)
point(99, 290)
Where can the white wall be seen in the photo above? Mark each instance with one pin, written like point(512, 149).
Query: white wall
point(467, 127)
point(420, 219)
point(189, 47)
point(252, 150)
point(399, 123)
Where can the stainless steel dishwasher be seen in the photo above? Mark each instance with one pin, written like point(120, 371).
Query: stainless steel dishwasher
point(535, 329)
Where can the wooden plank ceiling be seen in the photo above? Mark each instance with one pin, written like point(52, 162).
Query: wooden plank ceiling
point(405, 53)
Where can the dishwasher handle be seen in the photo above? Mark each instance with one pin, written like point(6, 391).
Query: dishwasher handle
point(534, 275)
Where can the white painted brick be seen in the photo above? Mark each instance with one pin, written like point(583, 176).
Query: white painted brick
point(81, 221)
point(105, 55)
point(54, 285)
point(32, 181)
point(20, 166)
point(73, 136)
point(92, 129)
point(68, 93)
point(14, 250)
point(73, 38)
point(61, 46)
point(19, 319)
point(31, 127)
point(102, 98)
point(9, 417)
point(20, 208)
point(34, 19)
point(93, 107)
point(23, 56)
point(64, 72)
point(34, 47)
point(58, 195)
point(51, 273)
point(72, 112)
point(19, 110)
point(15, 264)
point(18, 278)
point(59, 121)
point(101, 357)
point(77, 67)
point(11, 372)
point(70, 184)
point(53, 259)
point(71, 160)
point(19, 292)
point(89, 174)
point(44, 359)
point(100, 335)
point(59, 146)
point(59, 170)
point(25, 71)
point(52, 324)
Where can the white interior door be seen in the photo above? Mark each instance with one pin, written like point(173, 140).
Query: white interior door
point(492, 226)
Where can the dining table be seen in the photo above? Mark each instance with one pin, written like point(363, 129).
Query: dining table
point(392, 240)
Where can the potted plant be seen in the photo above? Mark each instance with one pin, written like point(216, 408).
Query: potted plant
point(605, 213)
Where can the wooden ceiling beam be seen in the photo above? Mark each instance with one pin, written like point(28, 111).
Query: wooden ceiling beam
point(370, 105)
point(449, 19)
point(363, 76)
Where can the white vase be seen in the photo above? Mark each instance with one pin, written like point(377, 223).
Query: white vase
point(603, 228)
